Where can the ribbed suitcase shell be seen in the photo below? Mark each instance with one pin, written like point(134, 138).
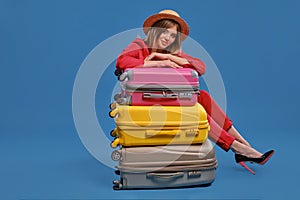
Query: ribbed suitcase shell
point(159, 116)
point(163, 86)
point(148, 137)
point(166, 166)
point(159, 125)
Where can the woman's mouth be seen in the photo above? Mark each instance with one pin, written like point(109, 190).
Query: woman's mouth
point(164, 43)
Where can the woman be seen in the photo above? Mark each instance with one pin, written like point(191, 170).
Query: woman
point(162, 48)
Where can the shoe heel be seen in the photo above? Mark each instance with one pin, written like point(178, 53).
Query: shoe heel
point(246, 167)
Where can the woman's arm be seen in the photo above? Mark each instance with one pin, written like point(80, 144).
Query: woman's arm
point(160, 63)
point(195, 63)
point(130, 57)
point(166, 56)
point(134, 58)
point(183, 60)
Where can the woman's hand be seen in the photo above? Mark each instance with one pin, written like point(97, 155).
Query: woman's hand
point(161, 63)
point(165, 56)
point(158, 56)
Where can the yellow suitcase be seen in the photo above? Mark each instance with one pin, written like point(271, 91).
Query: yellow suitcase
point(162, 117)
point(158, 125)
point(136, 137)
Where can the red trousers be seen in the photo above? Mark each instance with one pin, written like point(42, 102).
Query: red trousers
point(218, 120)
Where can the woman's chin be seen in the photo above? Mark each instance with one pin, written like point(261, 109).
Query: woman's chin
point(162, 47)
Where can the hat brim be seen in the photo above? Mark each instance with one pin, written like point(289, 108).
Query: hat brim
point(148, 23)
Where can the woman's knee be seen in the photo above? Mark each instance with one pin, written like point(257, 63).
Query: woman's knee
point(204, 97)
point(204, 93)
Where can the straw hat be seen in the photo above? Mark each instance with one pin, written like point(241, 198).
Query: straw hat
point(167, 14)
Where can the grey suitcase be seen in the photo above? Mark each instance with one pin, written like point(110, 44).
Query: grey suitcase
point(165, 166)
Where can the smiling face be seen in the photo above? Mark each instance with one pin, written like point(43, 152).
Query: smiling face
point(166, 38)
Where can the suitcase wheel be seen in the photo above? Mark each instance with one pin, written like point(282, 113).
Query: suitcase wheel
point(117, 185)
point(116, 182)
point(116, 155)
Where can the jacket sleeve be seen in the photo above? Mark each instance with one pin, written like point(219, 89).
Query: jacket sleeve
point(195, 63)
point(130, 57)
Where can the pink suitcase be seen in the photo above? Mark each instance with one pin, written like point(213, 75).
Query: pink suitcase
point(158, 86)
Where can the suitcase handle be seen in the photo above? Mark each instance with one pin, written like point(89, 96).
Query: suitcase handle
point(171, 133)
point(166, 133)
point(164, 95)
point(165, 176)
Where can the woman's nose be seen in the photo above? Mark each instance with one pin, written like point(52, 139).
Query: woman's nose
point(167, 37)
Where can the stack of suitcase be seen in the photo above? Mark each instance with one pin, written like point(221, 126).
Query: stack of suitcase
point(161, 130)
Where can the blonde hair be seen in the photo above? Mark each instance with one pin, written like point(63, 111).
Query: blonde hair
point(157, 29)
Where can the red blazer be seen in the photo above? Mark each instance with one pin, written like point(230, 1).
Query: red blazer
point(136, 52)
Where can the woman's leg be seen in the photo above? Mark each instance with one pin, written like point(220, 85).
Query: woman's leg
point(219, 116)
point(218, 135)
point(240, 148)
point(232, 131)
point(226, 141)
point(214, 110)
point(222, 132)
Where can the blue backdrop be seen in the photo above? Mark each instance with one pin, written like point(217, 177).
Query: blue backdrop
point(255, 45)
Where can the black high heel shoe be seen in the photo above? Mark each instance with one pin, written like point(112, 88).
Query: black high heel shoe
point(241, 159)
